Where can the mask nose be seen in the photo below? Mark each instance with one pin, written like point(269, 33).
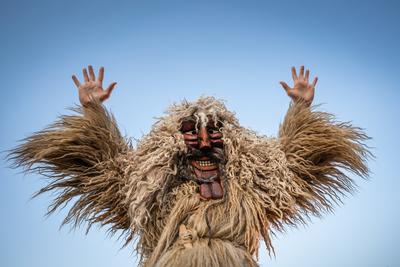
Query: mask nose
point(204, 139)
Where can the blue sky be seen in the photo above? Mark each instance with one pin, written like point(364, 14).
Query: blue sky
point(160, 52)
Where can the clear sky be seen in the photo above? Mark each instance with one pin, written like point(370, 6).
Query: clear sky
point(160, 52)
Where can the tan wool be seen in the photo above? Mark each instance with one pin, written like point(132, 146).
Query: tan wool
point(140, 190)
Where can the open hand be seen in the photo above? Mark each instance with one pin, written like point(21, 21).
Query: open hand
point(302, 89)
point(92, 89)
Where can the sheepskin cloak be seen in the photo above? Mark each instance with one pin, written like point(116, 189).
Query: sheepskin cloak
point(269, 182)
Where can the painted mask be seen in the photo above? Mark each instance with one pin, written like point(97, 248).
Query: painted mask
point(205, 157)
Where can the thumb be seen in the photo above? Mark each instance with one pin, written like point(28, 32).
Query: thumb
point(110, 88)
point(107, 92)
point(285, 87)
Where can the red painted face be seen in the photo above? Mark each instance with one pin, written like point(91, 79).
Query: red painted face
point(204, 156)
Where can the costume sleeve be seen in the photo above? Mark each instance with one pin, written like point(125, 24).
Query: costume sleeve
point(84, 158)
point(321, 154)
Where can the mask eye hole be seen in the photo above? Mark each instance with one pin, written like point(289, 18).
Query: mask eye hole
point(191, 132)
point(188, 127)
point(212, 131)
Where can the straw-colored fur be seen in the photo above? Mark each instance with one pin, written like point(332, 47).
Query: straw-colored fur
point(269, 182)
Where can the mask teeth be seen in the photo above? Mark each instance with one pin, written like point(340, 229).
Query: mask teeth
point(205, 163)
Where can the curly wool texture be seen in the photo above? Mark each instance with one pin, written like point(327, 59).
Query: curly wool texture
point(268, 181)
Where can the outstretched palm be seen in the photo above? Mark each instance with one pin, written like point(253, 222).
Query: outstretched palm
point(302, 90)
point(92, 88)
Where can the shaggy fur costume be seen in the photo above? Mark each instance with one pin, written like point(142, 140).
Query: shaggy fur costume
point(269, 182)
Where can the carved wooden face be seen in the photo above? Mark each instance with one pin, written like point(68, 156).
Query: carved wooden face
point(204, 141)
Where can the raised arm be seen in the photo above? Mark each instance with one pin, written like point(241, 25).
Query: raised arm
point(308, 167)
point(320, 151)
point(84, 158)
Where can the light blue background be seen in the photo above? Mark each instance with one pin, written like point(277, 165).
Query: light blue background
point(163, 51)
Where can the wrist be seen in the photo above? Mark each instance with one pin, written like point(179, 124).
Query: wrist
point(302, 102)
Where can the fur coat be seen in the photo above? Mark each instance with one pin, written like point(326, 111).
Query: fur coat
point(269, 182)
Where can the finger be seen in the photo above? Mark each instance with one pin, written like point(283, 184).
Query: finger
point(110, 88)
point(301, 71)
point(315, 82)
point(101, 74)
point(294, 75)
point(285, 86)
point(76, 81)
point(91, 73)
point(104, 96)
point(307, 75)
point(85, 75)
point(108, 91)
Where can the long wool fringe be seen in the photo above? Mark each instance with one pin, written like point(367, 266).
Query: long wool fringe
point(319, 152)
point(82, 156)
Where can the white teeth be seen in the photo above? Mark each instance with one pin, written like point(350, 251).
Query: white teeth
point(204, 163)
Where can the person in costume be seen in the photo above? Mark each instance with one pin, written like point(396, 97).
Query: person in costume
point(199, 189)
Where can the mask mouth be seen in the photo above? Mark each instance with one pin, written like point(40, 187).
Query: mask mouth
point(204, 164)
point(206, 174)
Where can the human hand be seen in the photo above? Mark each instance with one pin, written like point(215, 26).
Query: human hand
point(92, 89)
point(302, 89)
